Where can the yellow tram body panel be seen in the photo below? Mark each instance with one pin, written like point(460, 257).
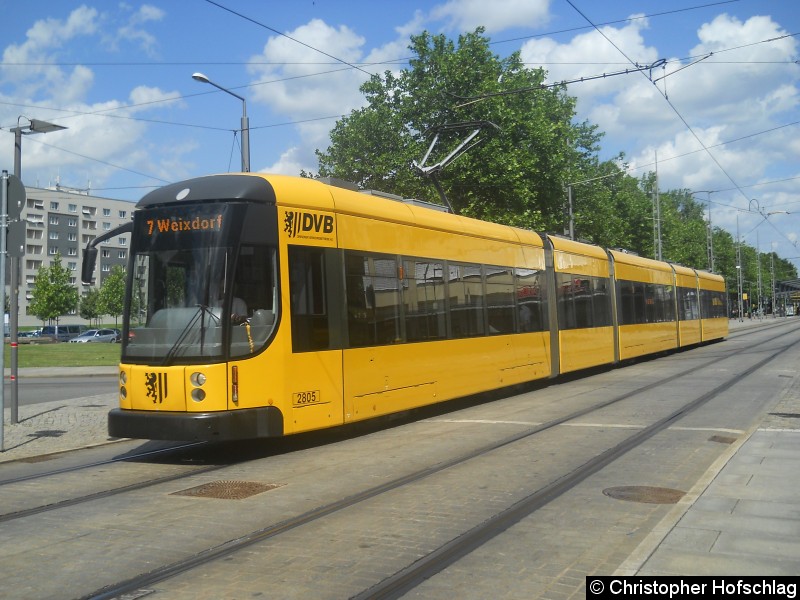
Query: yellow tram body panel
point(689, 330)
point(645, 338)
point(648, 338)
point(689, 333)
point(384, 379)
point(637, 268)
point(169, 389)
point(335, 387)
point(716, 327)
point(585, 347)
point(579, 258)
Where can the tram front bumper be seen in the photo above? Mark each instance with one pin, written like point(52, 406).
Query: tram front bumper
point(247, 423)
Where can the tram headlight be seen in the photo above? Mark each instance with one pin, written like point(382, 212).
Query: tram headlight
point(198, 395)
point(198, 379)
point(123, 378)
point(123, 392)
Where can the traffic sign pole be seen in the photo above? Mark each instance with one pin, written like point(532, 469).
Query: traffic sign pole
point(3, 255)
point(15, 248)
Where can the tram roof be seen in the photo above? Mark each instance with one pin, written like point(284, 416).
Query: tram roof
point(639, 261)
point(580, 248)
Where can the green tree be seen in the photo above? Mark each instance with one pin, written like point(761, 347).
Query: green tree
point(514, 176)
point(53, 295)
point(112, 293)
point(89, 307)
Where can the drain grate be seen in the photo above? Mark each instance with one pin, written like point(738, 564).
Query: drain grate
point(645, 494)
point(228, 490)
point(722, 439)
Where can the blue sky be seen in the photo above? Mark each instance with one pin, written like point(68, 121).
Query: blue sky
point(722, 113)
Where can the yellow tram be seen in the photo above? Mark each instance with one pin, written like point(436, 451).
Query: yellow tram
point(263, 305)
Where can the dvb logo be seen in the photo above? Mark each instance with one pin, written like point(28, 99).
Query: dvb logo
point(301, 224)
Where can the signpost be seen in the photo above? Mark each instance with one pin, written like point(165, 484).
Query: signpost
point(12, 199)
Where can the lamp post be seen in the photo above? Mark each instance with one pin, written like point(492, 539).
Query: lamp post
point(739, 270)
point(33, 126)
point(245, 122)
point(710, 231)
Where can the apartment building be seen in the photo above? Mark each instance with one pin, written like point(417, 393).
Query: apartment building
point(62, 221)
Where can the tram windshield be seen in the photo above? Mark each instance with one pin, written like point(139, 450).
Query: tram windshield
point(197, 288)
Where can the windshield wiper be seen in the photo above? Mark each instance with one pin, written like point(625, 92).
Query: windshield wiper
point(202, 311)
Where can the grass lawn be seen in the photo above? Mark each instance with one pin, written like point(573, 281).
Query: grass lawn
point(64, 355)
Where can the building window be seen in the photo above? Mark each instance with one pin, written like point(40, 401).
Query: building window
point(54, 206)
point(72, 222)
point(106, 253)
point(106, 268)
point(122, 254)
point(122, 241)
point(123, 214)
point(72, 266)
point(106, 212)
point(53, 220)
point(72, 237)
point(72, 252)
point(73, 208)
point(106, 226)
point(53, 235)
point(52, 250)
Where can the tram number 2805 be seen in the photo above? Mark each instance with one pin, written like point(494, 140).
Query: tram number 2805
point(306, 398)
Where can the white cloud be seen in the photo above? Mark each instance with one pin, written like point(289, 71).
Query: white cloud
point(466, 15)
point(292, 161)
point(293, 83)
point(134, 32)
point(719, 101)
point(24, 65)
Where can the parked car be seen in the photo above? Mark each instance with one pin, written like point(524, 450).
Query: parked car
point(29, 334)
point(62, 333)
point(109, 336)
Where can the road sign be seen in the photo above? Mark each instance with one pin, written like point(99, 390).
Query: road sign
point(16, 197)
point(15, 239)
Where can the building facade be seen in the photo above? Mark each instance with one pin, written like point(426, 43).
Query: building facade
point(62, 221)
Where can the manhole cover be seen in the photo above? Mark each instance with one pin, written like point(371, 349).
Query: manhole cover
point(644, 493)
point(722, 439)
point(228, 490)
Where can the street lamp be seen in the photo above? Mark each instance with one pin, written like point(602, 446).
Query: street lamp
point(245, 122)
point(710, 236)
point(739, 269)
point(33, 126)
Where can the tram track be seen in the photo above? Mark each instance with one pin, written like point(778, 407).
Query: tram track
point(194, 471)
point(101, 463)
point(405, 580)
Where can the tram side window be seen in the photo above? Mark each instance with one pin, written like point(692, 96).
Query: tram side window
point(668, 302)
point(424, 300)
point(583, 301)
point(632, 303)
point(645, 303)
point(255, 298)
point(309, 306)
point(466, 300)
point(688, 309)
point(373, 299)
point(531, 300)
point(712, 304)
point(500, 299)
point(601, 302)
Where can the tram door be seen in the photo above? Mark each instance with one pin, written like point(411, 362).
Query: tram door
point(314, 365)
